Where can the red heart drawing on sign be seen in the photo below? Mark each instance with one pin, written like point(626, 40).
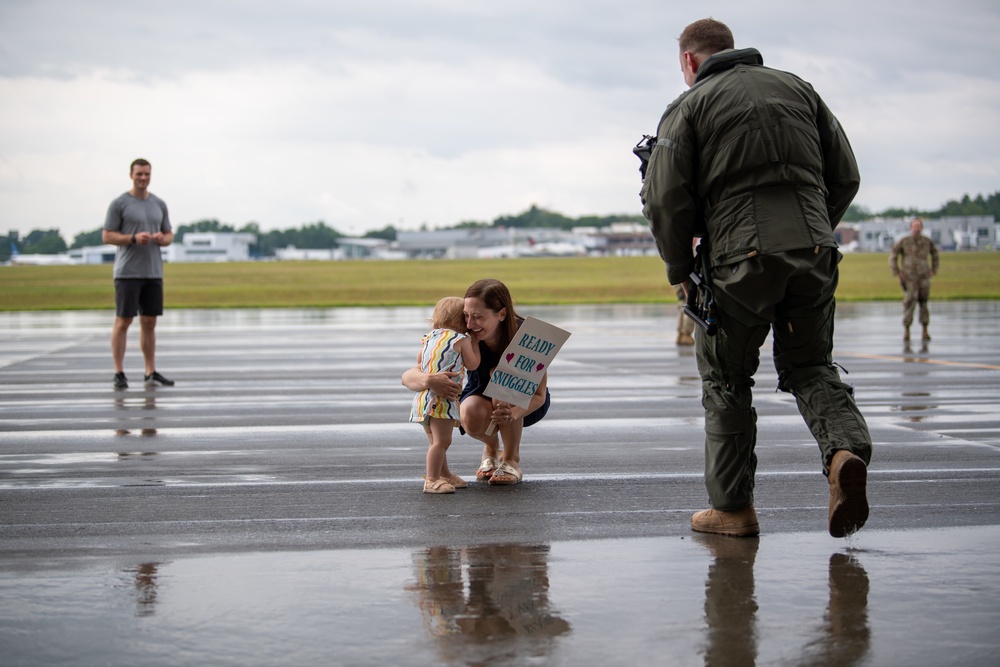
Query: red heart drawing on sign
point(539, 367)
point(509, 357)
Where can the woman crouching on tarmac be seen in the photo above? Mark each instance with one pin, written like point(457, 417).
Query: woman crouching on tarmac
point(492, 323)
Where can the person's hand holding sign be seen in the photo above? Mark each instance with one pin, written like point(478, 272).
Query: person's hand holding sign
point(503, 412)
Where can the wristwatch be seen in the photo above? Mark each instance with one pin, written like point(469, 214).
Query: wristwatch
point(133, 238)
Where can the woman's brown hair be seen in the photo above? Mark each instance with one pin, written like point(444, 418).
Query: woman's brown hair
point(495, 296)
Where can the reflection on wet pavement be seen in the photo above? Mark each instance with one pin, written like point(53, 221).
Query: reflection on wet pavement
point(145, 588)
point(845, 635)
point(918, 406)
point(488, 602)
point(147, 402)
point(265, 511)
point(731, 632)
point(730, 601)
point(884, 598)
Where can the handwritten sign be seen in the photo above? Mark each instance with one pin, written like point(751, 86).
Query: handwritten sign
point(516, 377)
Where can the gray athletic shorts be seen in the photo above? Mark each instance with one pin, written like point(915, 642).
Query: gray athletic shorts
point(138, 296)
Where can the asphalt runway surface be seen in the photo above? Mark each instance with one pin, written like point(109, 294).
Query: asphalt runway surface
point(268, 508)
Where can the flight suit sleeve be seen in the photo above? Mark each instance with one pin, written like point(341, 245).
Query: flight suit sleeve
point(669, 196)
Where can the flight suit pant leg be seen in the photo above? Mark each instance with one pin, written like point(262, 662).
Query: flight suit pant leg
point(803, 357)
point(727, 362)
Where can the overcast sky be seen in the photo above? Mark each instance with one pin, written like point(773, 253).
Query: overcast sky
point(366, 114)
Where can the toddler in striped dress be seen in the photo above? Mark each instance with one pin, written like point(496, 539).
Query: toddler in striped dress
point(446, 348)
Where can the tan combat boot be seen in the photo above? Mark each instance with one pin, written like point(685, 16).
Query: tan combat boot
point(737, 523)
point(925, 335)
point(848, 500)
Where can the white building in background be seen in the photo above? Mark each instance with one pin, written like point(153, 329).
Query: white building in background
point(94, 254)
point(195, 247)
point(970, 232)
point(210, 247)
point(39, 260)
point(495, 242)
point(367, 248)
point(347, 248)
point(291, 253)
point(619, 239)
point(965, 232)
point(464, 243)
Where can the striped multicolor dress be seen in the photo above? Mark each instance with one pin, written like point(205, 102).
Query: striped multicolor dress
point(438, 355)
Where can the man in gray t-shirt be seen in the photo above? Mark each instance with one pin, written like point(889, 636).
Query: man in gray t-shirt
point(137, 222)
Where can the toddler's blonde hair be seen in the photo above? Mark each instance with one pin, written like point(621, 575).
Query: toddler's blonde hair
point(449, 313)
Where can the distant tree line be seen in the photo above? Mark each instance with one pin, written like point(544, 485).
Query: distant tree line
point(989, 205)
point(38, 241)
point(318, 235)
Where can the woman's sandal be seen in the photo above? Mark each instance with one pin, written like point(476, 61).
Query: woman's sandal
point(438, 486)
point(486, 469)
point(505, 475)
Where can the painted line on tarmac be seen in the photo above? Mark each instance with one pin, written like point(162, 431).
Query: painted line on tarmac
point(265, 479)
point(919, 360)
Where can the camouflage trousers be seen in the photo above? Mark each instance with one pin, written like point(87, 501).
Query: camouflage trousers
point(916, 293)
point(791, 296)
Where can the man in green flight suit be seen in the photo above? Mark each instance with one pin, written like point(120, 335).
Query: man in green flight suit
point(751, 160)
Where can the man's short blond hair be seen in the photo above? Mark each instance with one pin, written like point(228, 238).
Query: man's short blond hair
point(706, 37)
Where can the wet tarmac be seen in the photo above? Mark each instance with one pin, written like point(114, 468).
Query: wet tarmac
point(267, 509)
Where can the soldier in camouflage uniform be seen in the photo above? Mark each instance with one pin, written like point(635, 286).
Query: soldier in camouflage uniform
point(920, 263)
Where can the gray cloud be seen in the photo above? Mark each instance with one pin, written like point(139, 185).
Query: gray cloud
point(444, 110)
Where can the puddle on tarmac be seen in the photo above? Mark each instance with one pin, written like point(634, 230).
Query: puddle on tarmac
point(885, 597)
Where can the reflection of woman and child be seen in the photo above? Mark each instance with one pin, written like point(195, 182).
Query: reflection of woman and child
point(490, 323)
point(503, 604)
point(842, 639)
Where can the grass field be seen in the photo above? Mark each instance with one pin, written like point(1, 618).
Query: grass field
point(864, 277)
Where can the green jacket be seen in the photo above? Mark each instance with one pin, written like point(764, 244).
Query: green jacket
point(749, 158)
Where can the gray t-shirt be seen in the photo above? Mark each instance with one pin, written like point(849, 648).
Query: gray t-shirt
point(129, 215)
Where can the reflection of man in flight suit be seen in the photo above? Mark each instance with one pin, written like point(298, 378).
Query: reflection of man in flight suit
point(843, 638)
point(920, 264)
